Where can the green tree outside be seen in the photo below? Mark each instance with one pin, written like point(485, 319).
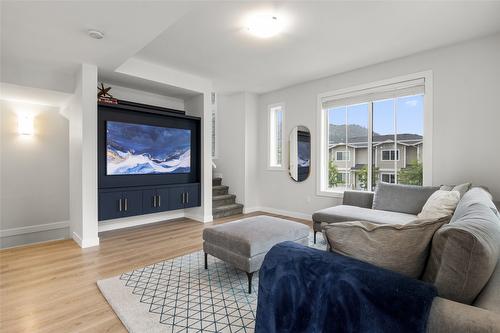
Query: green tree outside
point(333, 181)
point(362, 175)
point(412, 174)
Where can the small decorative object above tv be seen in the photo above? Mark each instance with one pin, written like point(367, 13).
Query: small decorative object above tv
point(148, 160)
point(136, 149)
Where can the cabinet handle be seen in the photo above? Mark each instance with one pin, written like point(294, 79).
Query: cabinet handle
point(154, 201)
point(120, 205)
point(159, 201)
point(187, 197)
point(183, 197)
point(126, 204)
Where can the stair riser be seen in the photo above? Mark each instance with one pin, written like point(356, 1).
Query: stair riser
point(221, 191)
point(216, 182)
point(223, 202)
point(227, 213)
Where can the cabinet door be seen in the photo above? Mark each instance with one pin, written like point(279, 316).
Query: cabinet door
point(149, 204)
point(176, 198)
point(162, 195)
point(132, 203)
point(192, 196)
point(110, 205)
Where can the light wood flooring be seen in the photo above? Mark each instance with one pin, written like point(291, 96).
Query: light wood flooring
point(51, 287)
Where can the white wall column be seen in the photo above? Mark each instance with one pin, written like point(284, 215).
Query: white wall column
point(82, 114)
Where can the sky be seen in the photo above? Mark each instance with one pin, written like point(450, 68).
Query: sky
point(409, 114)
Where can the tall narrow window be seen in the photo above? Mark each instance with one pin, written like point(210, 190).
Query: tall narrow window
point(372, 134)
point(276, 119)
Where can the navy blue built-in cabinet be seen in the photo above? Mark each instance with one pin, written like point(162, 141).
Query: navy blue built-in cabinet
point(124, 202)
point(132, 195)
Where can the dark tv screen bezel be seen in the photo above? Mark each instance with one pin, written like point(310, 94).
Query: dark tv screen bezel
point(108, 113)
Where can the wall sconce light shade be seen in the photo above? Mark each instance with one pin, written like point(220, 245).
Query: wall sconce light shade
point(25, 124)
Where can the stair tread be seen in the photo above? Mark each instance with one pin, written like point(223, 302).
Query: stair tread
point(219, 187)
point(223, 197)
point(228, 207)
point(216, 178)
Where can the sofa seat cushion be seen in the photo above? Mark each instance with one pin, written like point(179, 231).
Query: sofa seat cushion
point(345, 213)
point(254, 235)
point(407, 199)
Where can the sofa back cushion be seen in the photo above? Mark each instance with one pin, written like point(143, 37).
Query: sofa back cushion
point(402, 248)
point(407, 199)
point(465, 252)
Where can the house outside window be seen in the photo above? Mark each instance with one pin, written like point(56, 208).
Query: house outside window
point(276, 138)
point(375, 133)
point(343, 156)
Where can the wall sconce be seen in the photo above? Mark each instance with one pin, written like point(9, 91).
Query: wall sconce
point(25, 124)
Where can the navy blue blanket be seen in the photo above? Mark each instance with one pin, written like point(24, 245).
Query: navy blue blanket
point(302, 289)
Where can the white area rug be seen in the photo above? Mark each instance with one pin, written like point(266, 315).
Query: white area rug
point(179, 295)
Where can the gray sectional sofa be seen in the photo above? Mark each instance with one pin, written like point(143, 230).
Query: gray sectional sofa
point(464, 260)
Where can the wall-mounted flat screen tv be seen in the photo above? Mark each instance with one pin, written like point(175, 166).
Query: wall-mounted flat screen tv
point(137, 149)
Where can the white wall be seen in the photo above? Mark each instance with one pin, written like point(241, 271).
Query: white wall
point(34, 176)
point(237, 146)
point(465, 127)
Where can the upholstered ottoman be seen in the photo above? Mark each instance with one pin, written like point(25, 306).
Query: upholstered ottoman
point(244, 243)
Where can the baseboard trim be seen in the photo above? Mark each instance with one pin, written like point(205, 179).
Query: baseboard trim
point(33, 228)
point(298, 215)
point(138, 220)
point(85, 243)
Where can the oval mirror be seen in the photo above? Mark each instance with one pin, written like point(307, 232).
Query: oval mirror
point(300, 153)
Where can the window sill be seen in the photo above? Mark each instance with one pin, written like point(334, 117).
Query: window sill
point(270, 168)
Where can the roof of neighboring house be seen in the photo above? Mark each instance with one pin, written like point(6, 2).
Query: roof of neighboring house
point(358, 166)
point(361, 142)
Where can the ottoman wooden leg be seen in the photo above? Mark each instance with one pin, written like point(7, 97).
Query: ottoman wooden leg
point(206, 260)
point(250, 275)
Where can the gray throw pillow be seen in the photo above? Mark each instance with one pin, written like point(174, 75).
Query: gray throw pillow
point(401, 248)
point(465, 252)
point(407, 199)
point(462, 188)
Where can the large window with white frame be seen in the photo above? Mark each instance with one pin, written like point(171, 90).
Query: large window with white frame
point(276, 138)
point(374, 133)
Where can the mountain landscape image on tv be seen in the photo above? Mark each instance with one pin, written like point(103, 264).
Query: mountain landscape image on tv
point(136, 149)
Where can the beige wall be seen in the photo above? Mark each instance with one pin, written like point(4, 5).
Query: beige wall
point(466, 81)
point(34, 173)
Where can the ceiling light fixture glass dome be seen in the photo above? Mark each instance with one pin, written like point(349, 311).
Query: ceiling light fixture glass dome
point(264, 25)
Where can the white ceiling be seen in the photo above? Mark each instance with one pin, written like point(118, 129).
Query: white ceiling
point(43, 43)
point(323, 38)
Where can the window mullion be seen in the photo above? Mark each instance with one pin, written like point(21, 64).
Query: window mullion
point(369, 147)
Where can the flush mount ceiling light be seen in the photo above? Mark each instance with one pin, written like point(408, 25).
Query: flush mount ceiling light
point(96, 34)
point(264, 25)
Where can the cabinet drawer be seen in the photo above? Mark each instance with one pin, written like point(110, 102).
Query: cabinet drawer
point(110, 205)
point(132, 203)
point(192, 196)
point(176, 197)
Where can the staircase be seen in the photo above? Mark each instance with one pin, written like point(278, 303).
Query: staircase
point(223, 203)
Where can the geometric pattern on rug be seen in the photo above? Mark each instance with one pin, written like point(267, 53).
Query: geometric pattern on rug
point(189, 298)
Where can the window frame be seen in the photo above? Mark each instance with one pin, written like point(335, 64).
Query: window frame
point(387, 174)
point(346, 152)
point(322, 126)
point(389, 150)
point(270, 109)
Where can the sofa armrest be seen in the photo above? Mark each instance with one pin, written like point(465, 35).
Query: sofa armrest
point(362, 199)
point(449, 317)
